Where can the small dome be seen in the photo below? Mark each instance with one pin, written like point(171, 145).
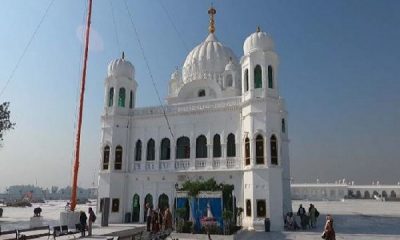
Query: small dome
point(121, 68)
point(176, 75)
point(258, 41)
point(230, 66)
point(209, 57)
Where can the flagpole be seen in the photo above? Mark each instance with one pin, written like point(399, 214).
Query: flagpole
point(80, 112)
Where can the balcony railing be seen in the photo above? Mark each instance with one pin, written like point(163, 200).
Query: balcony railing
point(198, 164)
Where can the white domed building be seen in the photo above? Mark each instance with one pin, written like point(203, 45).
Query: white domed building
point(224, 119)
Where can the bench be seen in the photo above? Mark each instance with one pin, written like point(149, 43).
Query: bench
point(3, 235)
point(63, 230)
point(24, 234)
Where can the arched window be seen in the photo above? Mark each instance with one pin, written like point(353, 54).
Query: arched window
point(229, 80)
point(163, 202)
point(247, 151)
point(231, 146)
point(165, 149)
point(138, 150)
point(358, 194)
point(367, 195)
point(248, 207)
point(201, 93)
point(150, 150)
point(201, 147)
point(183, 148)
point(283, 125)
point(111, 97)
point(257, 77)
point(246, 80)
point(259, 149)
point(106, 157)
point(216, 146)
point(274, 150)
point(384, 194)
point(118, 158)
point(131, 100)
point(270, 77)
point(375, 193)
point(121, 97)
point(393, 194)
point(135, 208)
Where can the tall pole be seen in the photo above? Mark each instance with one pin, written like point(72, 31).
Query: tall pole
point(81, 98)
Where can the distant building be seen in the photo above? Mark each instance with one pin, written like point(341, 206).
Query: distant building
point(228, 123)
point(329, 191)
point(18, 192)
point(318, 191)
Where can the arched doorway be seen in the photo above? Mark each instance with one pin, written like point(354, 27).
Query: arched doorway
point(366, 195)
point(375, 193)
point(384, 194)
point(135, 208)
point(148, 199)
point(163, 202)
point(358, 194)
point(393, 194)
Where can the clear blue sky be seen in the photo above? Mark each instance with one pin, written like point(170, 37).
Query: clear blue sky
point(339, 73)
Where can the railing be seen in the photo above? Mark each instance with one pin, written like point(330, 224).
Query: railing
point(182, 164)
point(189, 164)
point(150, 166)
point(137, 166)
point(201, 163)
point(189, 107)
point(166, 165)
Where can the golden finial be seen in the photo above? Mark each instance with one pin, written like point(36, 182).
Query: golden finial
point(123, 55)
point(258, 29)
point(211, 12)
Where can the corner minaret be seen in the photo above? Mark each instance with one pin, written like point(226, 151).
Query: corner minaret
point(119, 102)
point(266, 162)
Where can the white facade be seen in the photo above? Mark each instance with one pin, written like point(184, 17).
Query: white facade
point(218, 103)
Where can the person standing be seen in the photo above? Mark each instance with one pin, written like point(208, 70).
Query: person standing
point(155, 228)
point(92, 219)
point(302, 214)
point(167, 219)
point(82, 221)
point(311, 214)
point(329, 231)
point(149, 212)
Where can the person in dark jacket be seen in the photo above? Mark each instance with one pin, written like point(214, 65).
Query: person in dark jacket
point(92, 218)
point(303, 215)
point(82, 221)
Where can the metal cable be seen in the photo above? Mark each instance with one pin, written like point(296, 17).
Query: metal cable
point(115, 26)
point(148, 68)
point(26, 48)
point(174, 26)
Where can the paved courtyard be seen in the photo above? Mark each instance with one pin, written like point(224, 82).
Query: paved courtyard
point(353, 219)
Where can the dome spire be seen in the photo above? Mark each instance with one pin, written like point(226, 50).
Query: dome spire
point(211, 12)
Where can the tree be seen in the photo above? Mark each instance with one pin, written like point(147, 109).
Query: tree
point(5, 122)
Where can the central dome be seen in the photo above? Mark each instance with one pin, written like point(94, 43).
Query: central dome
point(208, 59)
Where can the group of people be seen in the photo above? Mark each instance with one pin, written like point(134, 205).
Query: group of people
point(158, 220)
point(307, 219)
point(86, 223)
